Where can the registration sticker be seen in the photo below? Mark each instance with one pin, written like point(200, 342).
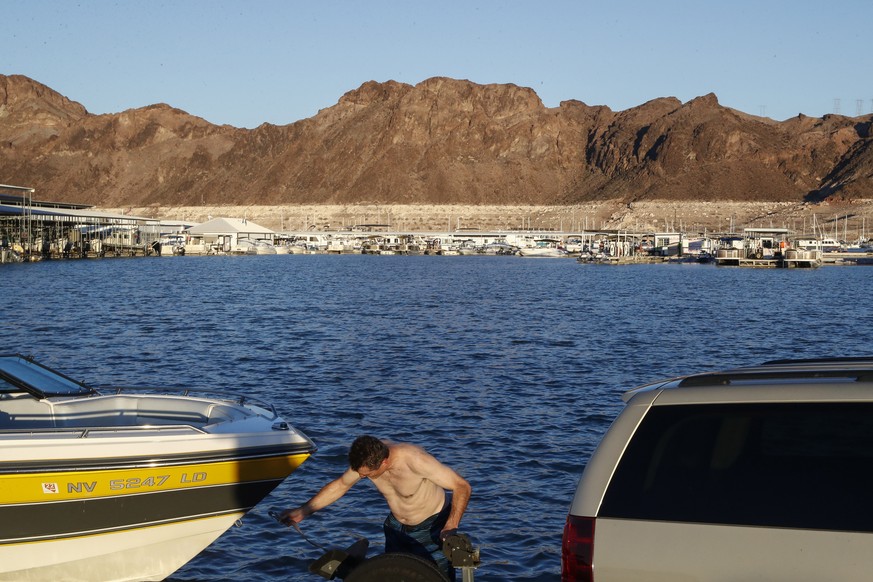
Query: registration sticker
point(51, 488)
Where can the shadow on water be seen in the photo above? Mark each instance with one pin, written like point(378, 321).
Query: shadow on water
point(507, 369)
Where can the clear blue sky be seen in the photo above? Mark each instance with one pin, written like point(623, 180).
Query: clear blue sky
point(248, 62)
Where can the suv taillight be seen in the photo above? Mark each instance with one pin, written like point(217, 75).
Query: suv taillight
point(577, 550)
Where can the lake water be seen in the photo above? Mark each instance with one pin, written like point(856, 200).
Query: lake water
point(505, 368)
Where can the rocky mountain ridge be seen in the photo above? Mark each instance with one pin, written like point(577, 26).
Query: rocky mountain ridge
point(442, 141)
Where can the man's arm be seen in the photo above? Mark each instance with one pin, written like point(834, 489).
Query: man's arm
point(460, 496)
point(327, 495)
point(430, 468)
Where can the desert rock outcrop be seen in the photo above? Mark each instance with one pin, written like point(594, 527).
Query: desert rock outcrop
point(442, 141)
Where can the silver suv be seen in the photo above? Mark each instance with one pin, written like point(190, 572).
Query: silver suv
point(758, 473)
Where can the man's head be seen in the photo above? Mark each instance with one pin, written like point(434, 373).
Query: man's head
point(367, 453)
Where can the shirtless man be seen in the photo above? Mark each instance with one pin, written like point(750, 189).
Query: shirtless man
point(413, 483)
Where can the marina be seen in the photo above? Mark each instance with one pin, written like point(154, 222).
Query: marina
point(33, 230)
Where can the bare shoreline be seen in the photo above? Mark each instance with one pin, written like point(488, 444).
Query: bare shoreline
point(851, 218)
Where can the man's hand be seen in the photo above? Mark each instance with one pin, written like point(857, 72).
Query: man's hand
point(294, 515)
point(446, 533)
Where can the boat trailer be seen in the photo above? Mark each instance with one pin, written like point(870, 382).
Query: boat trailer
point(352, 564)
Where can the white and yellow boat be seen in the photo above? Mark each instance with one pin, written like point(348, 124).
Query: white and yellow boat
point(126, 484)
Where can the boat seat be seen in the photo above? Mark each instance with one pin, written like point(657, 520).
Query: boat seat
point(25, 413)
point(158, 411)
point(95, 412)
point(22, 411)
point(180, 411)
point(125, 410)
point(122, 410)
point(223, 413)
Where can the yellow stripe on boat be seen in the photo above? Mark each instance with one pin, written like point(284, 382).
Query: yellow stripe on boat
point(72, 485)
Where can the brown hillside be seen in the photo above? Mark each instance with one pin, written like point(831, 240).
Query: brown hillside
point(442, 141)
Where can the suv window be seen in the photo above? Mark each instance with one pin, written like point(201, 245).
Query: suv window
point(807, 465)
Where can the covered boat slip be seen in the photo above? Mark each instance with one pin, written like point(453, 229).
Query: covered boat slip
point(34, 230)
point(765, 248)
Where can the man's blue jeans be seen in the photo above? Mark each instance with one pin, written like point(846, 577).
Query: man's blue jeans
point(422, 539)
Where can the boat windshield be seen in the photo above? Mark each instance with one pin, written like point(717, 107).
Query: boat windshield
point(19, 373)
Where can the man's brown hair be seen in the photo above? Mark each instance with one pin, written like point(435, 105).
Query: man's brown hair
point(367, 451)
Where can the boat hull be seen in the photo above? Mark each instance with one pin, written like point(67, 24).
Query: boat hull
point(145, 553)
point(136, 521)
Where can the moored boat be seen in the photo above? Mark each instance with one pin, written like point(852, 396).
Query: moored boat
point(543, 250)
point(170, 245)
point(126, 484)
point(541, 247)
point(253, 247)
point(822, 244)
point(766, 248)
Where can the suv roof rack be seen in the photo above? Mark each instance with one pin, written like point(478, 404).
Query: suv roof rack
point(753, 374)
point(841, 360)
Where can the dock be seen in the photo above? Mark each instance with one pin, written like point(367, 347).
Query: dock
point(33, 230)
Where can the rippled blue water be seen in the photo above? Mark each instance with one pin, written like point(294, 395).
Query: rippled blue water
point(507, 369)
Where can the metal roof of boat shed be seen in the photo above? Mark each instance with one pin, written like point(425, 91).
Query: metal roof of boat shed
point(66, 214)
point(23, 205)
point(229, 225)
